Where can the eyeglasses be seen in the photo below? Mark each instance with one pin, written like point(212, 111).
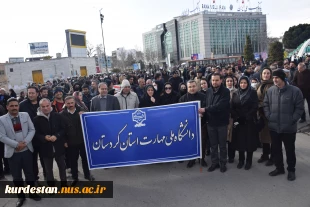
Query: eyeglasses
point(168, 88)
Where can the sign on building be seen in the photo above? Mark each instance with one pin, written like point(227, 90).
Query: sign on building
point(38, 48)
point(16, 60)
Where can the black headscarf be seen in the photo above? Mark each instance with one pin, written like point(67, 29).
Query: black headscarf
point(244, 94)
point(181, 93)
point(170, 98)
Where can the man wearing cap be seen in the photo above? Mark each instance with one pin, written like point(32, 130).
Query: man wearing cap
point(283, 107)
point(127, 99)
point(58, 101)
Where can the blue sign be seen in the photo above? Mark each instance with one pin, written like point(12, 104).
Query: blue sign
point(135, 66)
point(103, 64)
point(142, 136)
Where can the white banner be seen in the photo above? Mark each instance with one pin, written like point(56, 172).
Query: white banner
point(38, 48)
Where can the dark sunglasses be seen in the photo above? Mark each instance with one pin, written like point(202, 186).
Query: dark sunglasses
point(168, 88)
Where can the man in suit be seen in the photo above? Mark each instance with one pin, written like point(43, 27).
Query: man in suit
point(104, 101)
point(16, 132)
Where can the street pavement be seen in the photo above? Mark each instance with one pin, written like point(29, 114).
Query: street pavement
point(172, 184)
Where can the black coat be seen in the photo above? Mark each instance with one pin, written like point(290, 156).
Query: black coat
point(27, 106)
point(245, 136)
point(218, 106)
point(73, 127)
point(195, 97)
point(175, 82)
point(171, 98)
point(31, 109)
point(52, 126)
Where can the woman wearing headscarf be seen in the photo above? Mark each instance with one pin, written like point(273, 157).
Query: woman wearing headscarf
point(230, 84)
point(244, 105)
point(149, 97)
point(264, 135)
point(182, 89)
point(12, 93)
point(204, 85)
point(169, 96)
point(204, 132)
point(78, 96)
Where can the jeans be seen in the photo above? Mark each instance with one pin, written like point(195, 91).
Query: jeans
point(22, 161)
point(218, 138)
point(74, 152)
point(289, 143)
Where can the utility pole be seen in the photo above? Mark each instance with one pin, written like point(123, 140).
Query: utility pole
point(105, 56)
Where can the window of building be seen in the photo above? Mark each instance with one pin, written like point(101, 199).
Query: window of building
point(11, 69)
point(1, 72)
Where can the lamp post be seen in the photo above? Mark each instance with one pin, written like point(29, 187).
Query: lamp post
point(105, 57)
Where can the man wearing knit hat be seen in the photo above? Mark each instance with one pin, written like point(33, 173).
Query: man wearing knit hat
point(127, 99)
point(283, 107)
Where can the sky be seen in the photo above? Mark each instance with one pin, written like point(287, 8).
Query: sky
point(23, 22)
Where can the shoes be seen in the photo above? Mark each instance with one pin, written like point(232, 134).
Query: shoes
point(191, 163)
point(35, 197)
point(223, 168)
point(269, 163)
point(20, 202)
point(302, 121)
point(203, 163)
point(231, 160)
point(248, 166)
point(291, 176)
point(213, 167)
point(276, 172)
point(263, 158)
point(90, 178)
point(240, 165)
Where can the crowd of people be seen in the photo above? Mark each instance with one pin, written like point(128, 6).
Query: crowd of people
point(243, 107)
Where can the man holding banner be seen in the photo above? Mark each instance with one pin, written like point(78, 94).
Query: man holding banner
point(193, 95)
point(217, 111)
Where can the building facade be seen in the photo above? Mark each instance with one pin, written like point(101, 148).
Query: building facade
point(3, 77)
point(209, 34)
point(19, 75)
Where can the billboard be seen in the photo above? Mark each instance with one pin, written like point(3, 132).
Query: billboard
point(38, 48)
point(76, 43)
point(16, 60)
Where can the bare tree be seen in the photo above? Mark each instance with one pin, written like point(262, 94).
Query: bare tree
point(121, 57)
point(90, 49)
point(151, 56)
point(130, 60)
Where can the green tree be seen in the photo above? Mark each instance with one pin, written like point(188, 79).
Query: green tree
point(116, 70)
point(276, 52)
point(296, 35)
point(248, 50)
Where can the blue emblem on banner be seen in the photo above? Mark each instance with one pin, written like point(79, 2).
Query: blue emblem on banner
point(139, 117)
